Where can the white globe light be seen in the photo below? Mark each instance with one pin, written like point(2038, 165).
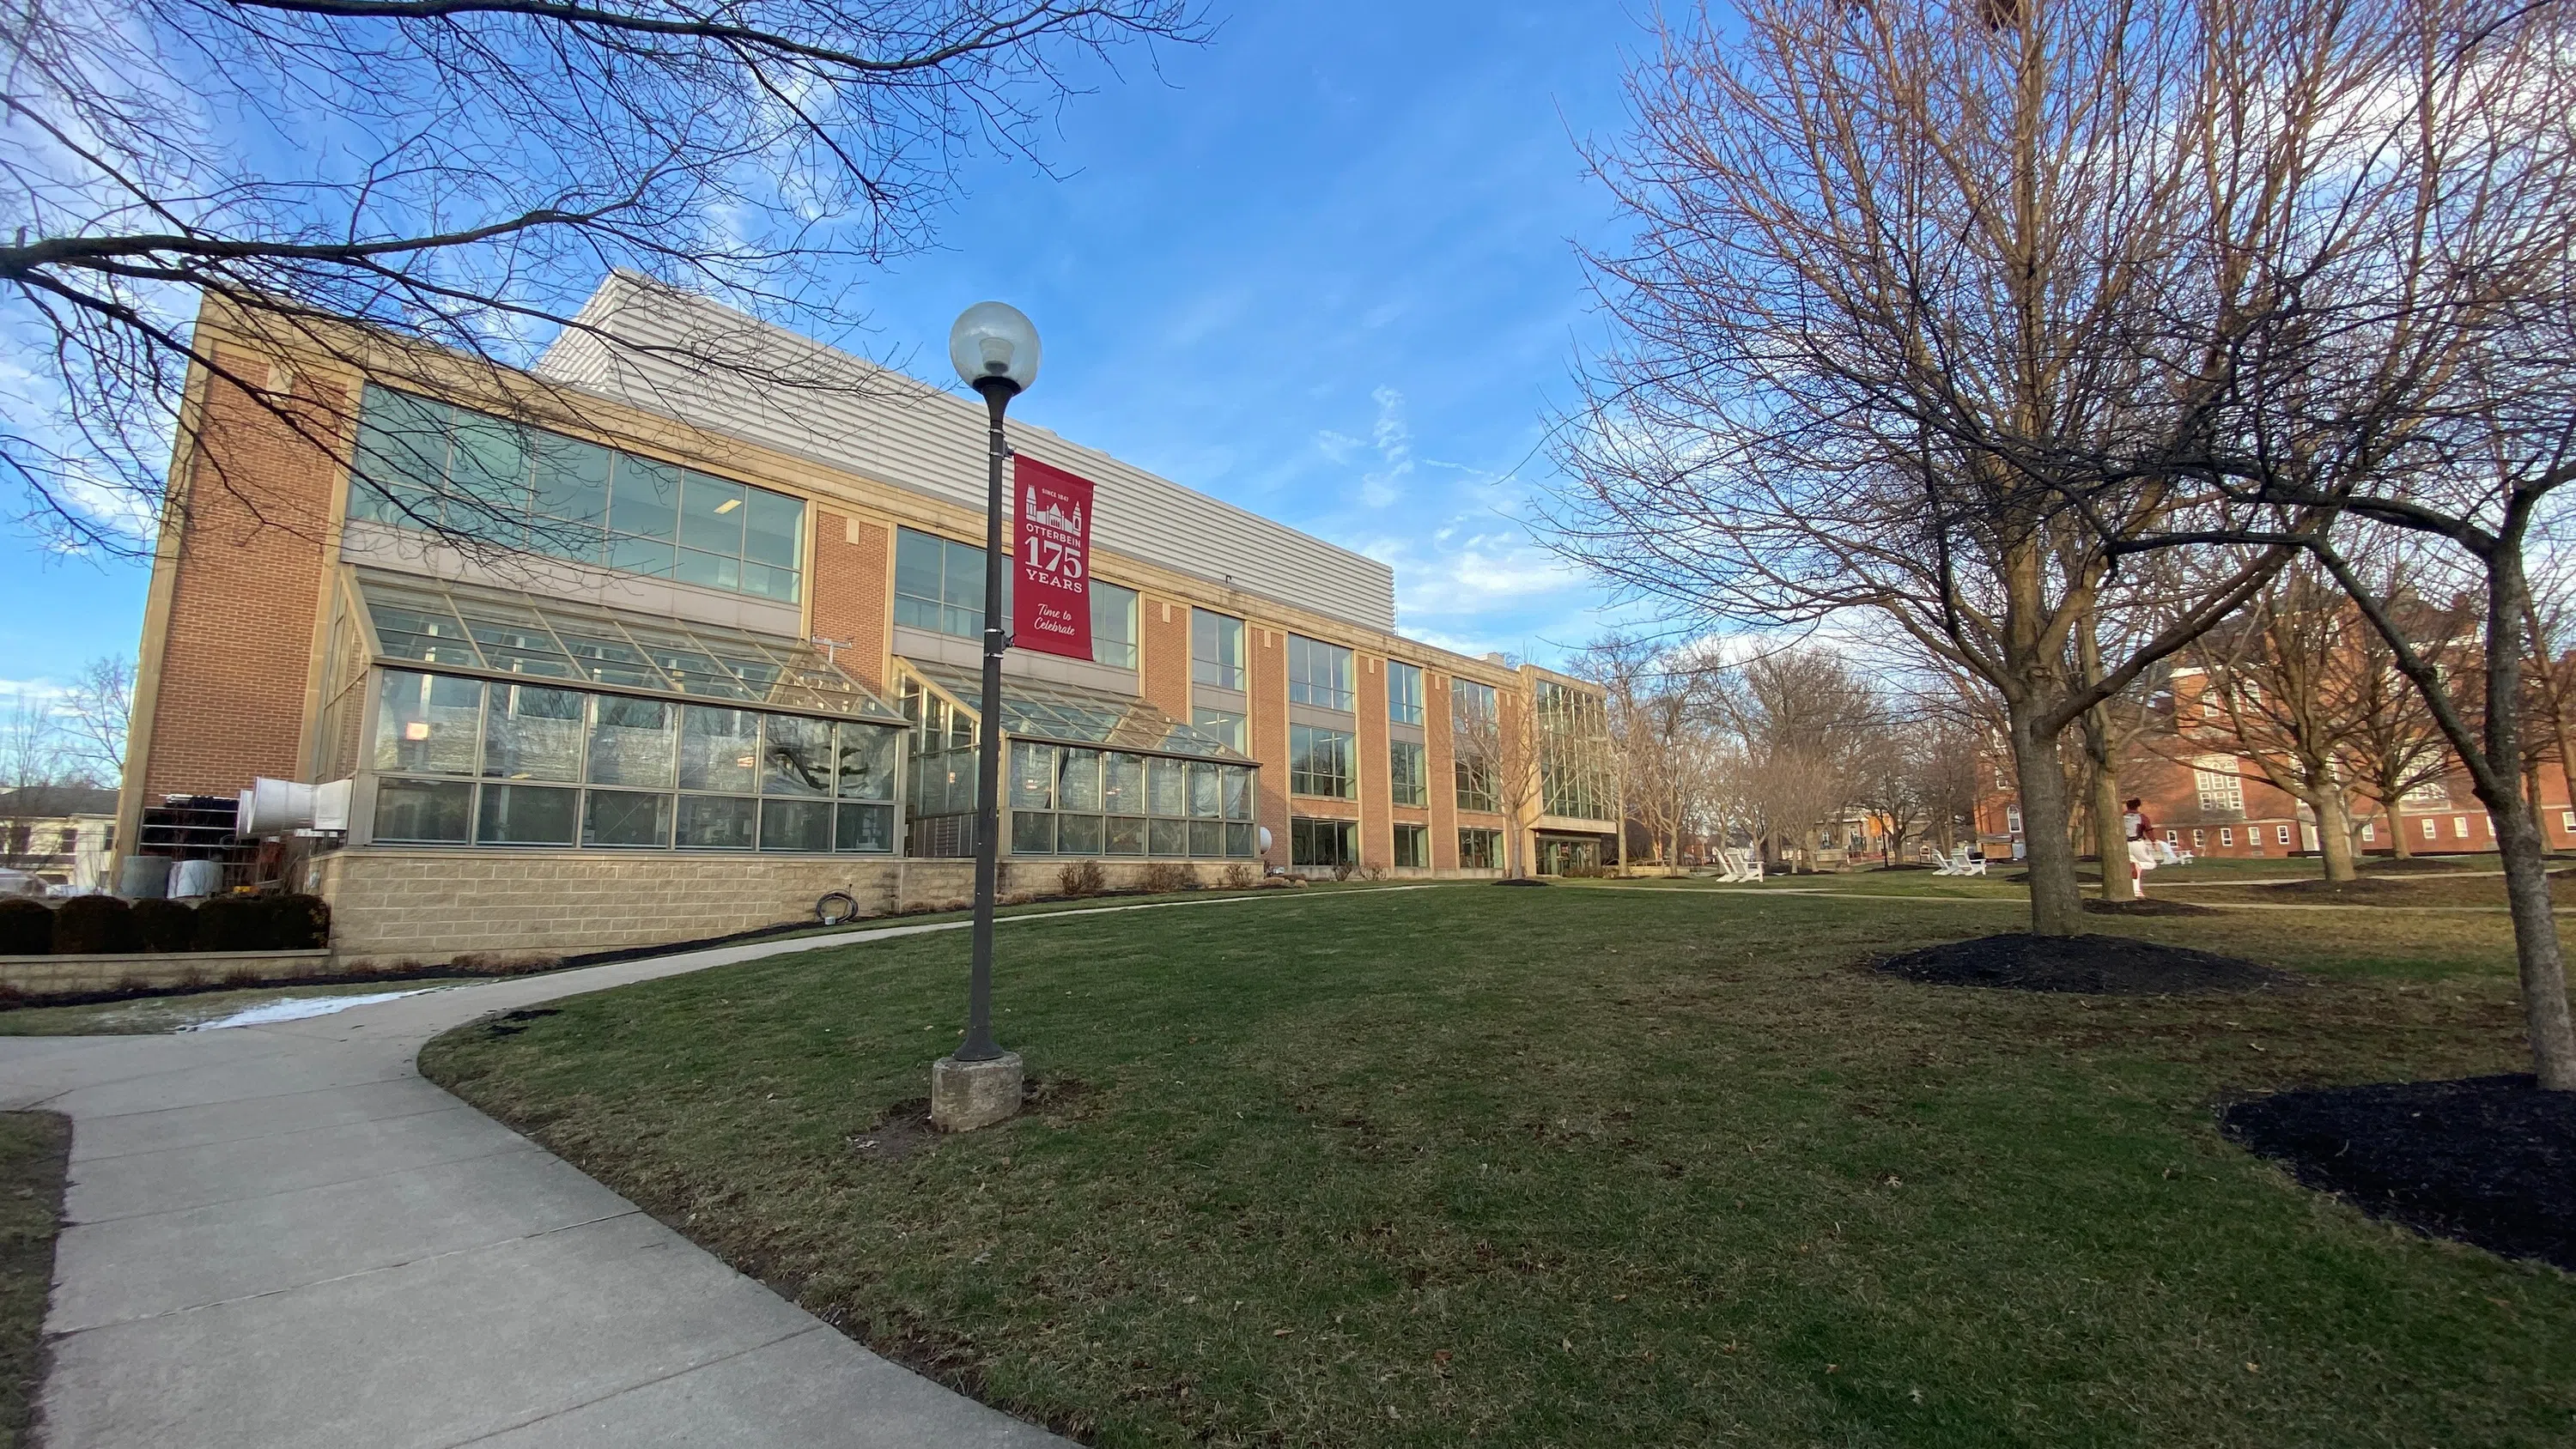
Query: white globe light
point(992, 339)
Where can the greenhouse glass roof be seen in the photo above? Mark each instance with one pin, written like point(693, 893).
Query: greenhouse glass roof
point(1069, 714)
point(491, 631)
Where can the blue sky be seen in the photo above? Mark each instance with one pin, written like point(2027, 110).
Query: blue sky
point(1321, 267)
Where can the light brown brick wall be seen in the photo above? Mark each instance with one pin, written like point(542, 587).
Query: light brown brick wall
point(1165, 651)
point(395, 905)
point(1442, 770)
point(1376, 774)
point(850, 583)
point(1266, 669)
point(231, 690)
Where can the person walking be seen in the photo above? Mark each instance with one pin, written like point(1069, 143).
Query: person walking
point(2142, 851)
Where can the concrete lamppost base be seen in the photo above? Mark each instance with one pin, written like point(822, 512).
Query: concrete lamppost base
point(968, 1095)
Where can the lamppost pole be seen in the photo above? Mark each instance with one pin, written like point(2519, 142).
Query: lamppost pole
point(995, 351)
point(979, 1047)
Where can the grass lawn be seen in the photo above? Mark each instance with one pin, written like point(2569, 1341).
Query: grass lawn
point(33, 1148)
point(1577, 1166)
point(147, 1015)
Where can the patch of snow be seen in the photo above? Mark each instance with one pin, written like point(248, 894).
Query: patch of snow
point(297, 1008)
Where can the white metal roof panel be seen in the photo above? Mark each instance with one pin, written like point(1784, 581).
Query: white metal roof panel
point(696, 360)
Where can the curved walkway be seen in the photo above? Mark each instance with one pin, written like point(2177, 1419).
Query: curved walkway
point(282, 1236)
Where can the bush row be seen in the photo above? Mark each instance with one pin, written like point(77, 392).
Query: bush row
point(105, 925)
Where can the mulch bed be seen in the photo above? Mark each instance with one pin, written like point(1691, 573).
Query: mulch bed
point(2093, 965)
point(2487, 1160)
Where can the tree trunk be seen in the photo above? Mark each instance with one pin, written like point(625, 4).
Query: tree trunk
point(2542, 970)
point(2056, 904)
point(2398, 849)
point(2334, 832)
point(2110, 824)
point(2537, 958)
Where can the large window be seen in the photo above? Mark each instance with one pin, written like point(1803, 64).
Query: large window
point(1409, 772)
point(426, 465)
point(1475, 723)
point(1222, 724)
point(1479, 849)
point(1216, 650)
point(1319, 674)
point(1471, 705)
point(1319, 762)
point(939, 586)
point(1403, 692)
point(1413, 847)
point(1113, 624)
point(1576, 778)
point(1323, 844)
point(461, 761)
point(1070, 801)
point(2222, 789)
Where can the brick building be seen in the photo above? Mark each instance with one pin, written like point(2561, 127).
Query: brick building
point(2204, 792)
point(713, 653)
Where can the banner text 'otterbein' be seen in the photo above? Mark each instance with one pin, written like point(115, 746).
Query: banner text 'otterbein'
point(1051, 570)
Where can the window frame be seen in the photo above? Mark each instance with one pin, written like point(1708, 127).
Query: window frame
point(1217, 672)
point(1404, 704)
point(1304, 778)
point(1309, 658)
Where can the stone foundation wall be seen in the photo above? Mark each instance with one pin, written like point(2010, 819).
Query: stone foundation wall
point(38, 977)
point(396, 905)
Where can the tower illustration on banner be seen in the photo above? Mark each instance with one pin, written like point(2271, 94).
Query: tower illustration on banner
point(1051, 515)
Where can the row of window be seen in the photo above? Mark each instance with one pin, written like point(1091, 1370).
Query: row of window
point(2369, 831)
point(460, 812)
point(427, 465)
point(939, 586)
point(1320, 765)
point(1327, 844)
point(1061, 777)
point(445, 724)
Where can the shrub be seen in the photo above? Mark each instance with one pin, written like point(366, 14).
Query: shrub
point(26, 927)
point(165, 925)
point(1166, 876)
point(235, 923)
point(1082, 878)
point(1239, 876)
point(95, 926)
point(303, 923)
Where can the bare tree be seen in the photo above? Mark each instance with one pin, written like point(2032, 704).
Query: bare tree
point(1623, 665)
point(1805, 720)
point(1930, 304)
point(460, 173)
point(31, 765)
point(2394, 747)
point(94, 712)
point(2468, 446)
point(2285, 678)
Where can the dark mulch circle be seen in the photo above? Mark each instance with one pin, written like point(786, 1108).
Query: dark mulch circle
point(2148, 906)
point(2488, 1160)
point(2095, 965)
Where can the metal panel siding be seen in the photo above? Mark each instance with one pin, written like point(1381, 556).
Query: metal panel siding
point(845, 412)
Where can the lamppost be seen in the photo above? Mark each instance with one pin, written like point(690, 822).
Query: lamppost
point(995, 351)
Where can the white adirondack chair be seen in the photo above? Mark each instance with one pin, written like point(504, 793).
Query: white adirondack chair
point(1960, 864)
point(1738, 867)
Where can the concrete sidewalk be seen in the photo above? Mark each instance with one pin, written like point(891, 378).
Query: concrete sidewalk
point(282, 1236)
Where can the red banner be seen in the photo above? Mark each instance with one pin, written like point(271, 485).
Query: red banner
point(1051, 549)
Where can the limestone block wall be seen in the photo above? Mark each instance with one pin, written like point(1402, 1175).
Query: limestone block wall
point(395, 905)
point(39, 977)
